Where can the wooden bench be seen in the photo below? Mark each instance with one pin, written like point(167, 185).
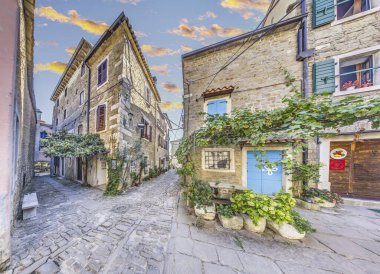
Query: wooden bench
point(29, 206)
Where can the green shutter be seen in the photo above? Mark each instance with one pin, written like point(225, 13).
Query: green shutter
point(324, 76)
point(323, 12)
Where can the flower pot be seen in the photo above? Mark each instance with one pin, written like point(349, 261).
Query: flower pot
point(205, 212)
point(250, 226)
point(324, 203)
point(235, 222)
point(286, 230)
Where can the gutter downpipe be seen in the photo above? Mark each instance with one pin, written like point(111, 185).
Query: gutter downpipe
point(305, 73)
point(87, 118)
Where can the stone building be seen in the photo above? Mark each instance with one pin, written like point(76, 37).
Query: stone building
point(17, 107)
point(173, 149)
point(43, 130)
point(324, 44)
point(107, 89)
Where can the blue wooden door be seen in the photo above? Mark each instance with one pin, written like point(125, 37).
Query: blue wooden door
point(264, 180)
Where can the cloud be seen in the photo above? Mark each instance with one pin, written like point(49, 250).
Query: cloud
point(203, 32)
point(42, 25)
point(56, 67)
point(154, 51)
point(73, 18)
point(244, 7)
point(171, 87)
point(70, 51)
point(166, 105)
point(49, 43)
point(185, 48)
point(208, 14)
point(140, 34)
point(160, 69)
point(133, 2)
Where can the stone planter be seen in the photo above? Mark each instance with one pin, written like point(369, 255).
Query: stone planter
point(250, 226)
point(323, 203)
point(206, 213)
point(286, 230)
point(307, 205)
point(235, 222)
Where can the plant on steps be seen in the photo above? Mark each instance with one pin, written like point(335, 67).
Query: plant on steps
point(322, 194)
point(199, 193)
point(301, 224)
point(225, 211)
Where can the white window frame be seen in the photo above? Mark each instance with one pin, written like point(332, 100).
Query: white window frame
point(337, 59)
point(219, 149)
point(355, 16)
point(227, 98)
point(97, 74)
point(80, 99)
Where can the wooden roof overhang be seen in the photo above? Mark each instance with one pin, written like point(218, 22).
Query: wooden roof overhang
point(75, 62)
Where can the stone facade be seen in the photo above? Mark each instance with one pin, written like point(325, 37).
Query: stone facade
point(258, 84)
point(43, 130)
point(18, 113)
point(129, 96)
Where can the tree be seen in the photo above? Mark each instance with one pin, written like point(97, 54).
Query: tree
point(64, 144)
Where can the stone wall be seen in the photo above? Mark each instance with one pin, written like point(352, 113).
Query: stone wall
point(258, 80)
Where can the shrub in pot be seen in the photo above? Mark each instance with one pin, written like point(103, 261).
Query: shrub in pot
point(200, 195)
point(322, 197)
point(229, 218)
point(254, 207)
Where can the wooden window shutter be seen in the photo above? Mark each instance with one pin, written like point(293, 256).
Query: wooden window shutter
point(323, 12)
point(150, 133)
point(101, 118)
point(324, 77)
point(142, 130)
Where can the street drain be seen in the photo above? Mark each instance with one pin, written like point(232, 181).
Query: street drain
point(119, 209)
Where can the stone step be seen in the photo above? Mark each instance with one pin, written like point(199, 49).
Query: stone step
point(361, 202)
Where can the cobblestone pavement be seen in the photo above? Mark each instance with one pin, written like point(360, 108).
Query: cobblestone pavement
point(347, 241)
point(78, 230)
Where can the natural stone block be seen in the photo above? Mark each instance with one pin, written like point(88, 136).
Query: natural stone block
point(256, 228)
point(235, 222)
point(205, 212)
point(286, 230)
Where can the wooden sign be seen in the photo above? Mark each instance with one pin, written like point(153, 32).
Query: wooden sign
point(337, 164)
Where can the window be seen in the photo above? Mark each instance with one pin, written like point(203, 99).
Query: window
point(64, 114)
point(359, 71)
point(80, 129)
point(102, 72)
point(147, 94)
point(43, 135)
point(56, 121)
point(57, 103)
point(217, 160)
point(346, 8)
point(82, 70)
point(65, 92)
point(217, 107)
point(302, 42)
point(81, 98)
point(150, 133)
point(145, 130)
point(101, 118)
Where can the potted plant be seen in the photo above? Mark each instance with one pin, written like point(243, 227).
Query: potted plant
point(254, 209)
point(281, 220)
point(200, 195)
point(229, 218)
point(322, 197)
point(349, 85)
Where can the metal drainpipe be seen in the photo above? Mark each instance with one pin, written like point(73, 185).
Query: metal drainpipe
point(305, 71)
point(88, 116)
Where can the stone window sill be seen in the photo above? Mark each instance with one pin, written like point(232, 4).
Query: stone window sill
point(357, 91)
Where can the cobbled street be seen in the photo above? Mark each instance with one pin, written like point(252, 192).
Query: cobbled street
point(146, 230)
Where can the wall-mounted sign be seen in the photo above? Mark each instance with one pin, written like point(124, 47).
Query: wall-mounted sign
point(338, 153)
point(337, 164)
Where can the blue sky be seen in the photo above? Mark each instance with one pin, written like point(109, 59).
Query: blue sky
point(166, 29)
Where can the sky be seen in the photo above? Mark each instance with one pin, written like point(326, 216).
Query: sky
point(166, 29)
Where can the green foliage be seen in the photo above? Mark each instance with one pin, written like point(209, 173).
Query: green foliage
point(225, 211)
point(283, 205)
point(323, 194)
point(301, 224)
point(256, 206)
point(199, 193)
point(64, 144)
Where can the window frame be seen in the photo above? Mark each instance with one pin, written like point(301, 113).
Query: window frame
point(221, 149)
point(354, 16)
point(97, 118)
point(338, 59)
point(64, 114)
point(217, 98)
point(82, 70)
point(81, 102)
point(106, 59)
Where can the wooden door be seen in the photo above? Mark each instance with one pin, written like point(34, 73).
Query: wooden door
point(366, 175)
